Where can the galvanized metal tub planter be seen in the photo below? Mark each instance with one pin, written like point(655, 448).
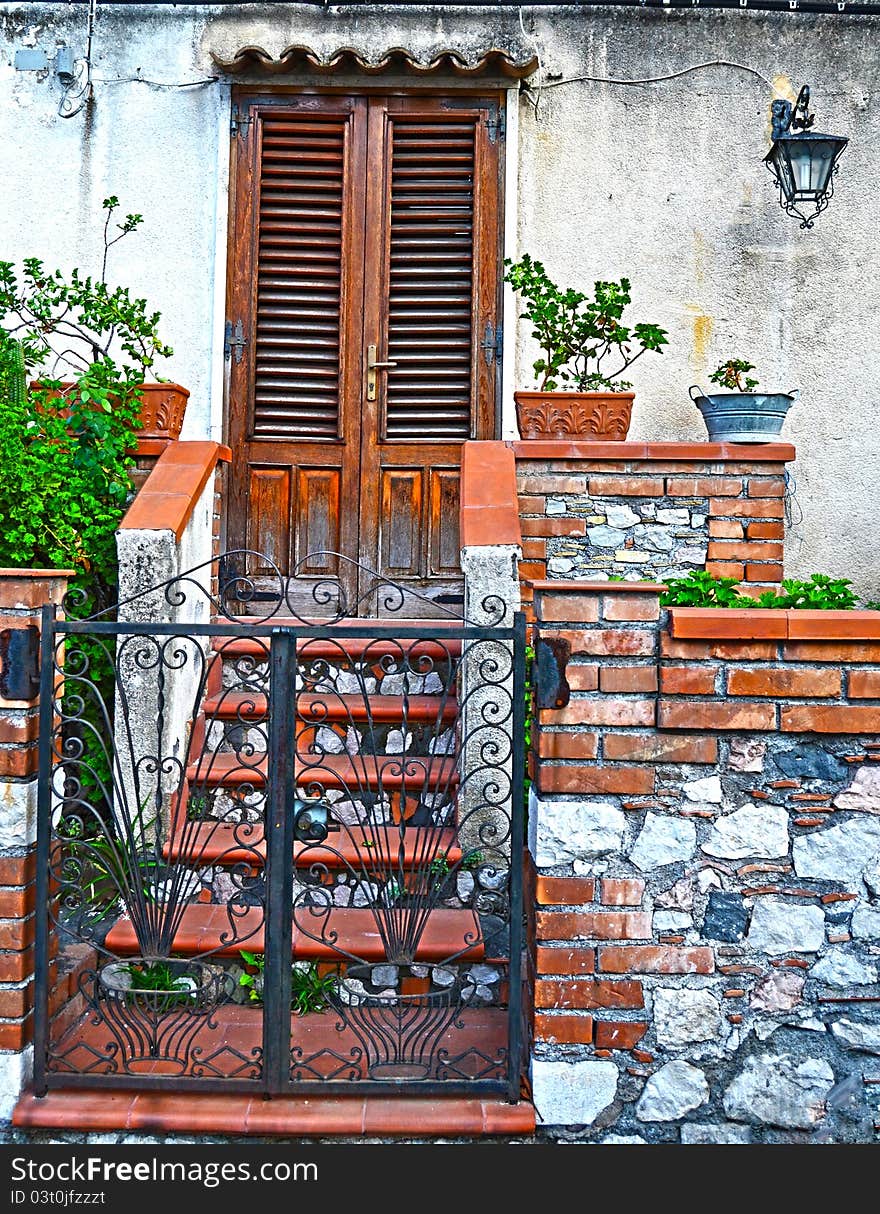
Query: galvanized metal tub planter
point(743, 417)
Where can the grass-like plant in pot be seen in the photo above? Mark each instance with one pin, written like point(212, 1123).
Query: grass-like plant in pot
point(585, 348)
point(740, 414)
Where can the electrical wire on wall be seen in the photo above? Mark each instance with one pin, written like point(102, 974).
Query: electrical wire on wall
point(533, 92)
point(80, 91)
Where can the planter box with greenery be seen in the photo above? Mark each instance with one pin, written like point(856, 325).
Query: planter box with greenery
point(579, 394)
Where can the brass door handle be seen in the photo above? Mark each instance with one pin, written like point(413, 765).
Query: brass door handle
point(372, 368)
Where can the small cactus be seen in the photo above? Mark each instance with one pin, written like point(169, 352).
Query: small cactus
point(13, 372)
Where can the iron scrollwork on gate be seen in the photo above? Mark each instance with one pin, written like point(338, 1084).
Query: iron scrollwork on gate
point(280, 851)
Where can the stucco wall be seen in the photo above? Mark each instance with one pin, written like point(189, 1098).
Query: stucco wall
point(661, 182)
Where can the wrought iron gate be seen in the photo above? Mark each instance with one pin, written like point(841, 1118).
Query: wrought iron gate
point(281, 851)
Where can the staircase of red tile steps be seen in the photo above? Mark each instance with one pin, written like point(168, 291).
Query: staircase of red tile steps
point(354, 929)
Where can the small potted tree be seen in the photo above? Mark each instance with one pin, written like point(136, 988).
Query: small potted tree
point(739, 414)
point(585, 348)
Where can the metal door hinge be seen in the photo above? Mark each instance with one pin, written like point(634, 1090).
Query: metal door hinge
point(240, 123)
point(496, 125)
point(492, 343)
point(234, 340)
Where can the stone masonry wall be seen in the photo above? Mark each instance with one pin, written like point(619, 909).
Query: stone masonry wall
point(705, 824)
point(651, 511)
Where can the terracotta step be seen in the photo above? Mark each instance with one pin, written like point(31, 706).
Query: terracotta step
point(328, 706)
point(228, 843)
point(352, 773)
point(446, 934)
point(341, 650)
point(241, 1114)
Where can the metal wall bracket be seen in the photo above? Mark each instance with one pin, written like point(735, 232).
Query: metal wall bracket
point(20, 663)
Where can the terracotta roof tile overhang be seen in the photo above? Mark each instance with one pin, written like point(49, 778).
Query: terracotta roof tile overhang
point(397, 60)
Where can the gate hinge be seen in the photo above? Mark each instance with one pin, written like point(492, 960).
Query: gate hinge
point(234, 340)
point(496, 126)
point(239, 123)
point(492, 343)
point(552, 655)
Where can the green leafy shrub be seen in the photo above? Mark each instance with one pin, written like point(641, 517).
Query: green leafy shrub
point(66, 444)
point(576, 333)
point(819, 592)
point(309, 989)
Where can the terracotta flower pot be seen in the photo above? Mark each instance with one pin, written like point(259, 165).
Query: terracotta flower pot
point(162, 409)
point(593, 416)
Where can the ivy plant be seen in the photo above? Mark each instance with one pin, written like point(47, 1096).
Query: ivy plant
point(585, 344)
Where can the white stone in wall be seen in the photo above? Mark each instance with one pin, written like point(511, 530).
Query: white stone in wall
point(682, 1015)
point(779, 991)
point(568, 830)
point(871, 877)
point(691, 556)
point(706, 1132)
point(671, 921)
point(838, 968)
point(663, 840)
point(555, 505)
point(18, 813)
point(572, 1093)
point(864, 792)
point(15, 1074)
point(708, 789)
point(621, 516)
point(605, 537)
point(753, 830)
point(623, 1140)
point(780, 1090)
point(679, 896)
point(657, 538)
point(677, 1088)
point(866, 923)
point(857, 1036)
point(560, 564)
point(779, 927)
point(840, 853)
point(746, 754)
point(677, 517)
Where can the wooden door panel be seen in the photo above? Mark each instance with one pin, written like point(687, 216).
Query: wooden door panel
point(434, 189)
point(400, 538)
point(268, 520)
point(317, 520)
point(297, 280)
point(443, 539)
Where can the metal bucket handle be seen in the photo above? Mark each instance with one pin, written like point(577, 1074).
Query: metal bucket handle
point(696, 388)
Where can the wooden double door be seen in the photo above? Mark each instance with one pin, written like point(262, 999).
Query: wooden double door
point(363, 336)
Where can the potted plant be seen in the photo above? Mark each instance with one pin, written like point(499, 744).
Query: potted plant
point(741, 415)
point(585, 348)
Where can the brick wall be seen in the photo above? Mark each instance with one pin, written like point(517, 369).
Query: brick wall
point(652, 510)
point(706, 833)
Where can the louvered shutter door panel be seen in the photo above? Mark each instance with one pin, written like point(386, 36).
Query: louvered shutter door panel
point(431, 284)
point(299, 277)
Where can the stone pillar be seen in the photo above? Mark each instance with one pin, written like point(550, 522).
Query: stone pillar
point(22, 595)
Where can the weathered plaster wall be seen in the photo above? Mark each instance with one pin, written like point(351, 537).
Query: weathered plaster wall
point(660, 182)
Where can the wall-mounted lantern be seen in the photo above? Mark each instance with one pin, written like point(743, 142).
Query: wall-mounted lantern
point(802, 161)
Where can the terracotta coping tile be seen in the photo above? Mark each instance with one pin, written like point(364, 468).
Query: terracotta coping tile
point(293, 1116)
point(765, 453)
point(732, 623)
point(489, 501)
point(563, 587)
point(169, 493)
point(38, 573)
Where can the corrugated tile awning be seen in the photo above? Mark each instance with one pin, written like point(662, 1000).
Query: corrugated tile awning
point(348, 61)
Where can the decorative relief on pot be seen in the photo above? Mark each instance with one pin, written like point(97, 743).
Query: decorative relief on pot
point(589, 415)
